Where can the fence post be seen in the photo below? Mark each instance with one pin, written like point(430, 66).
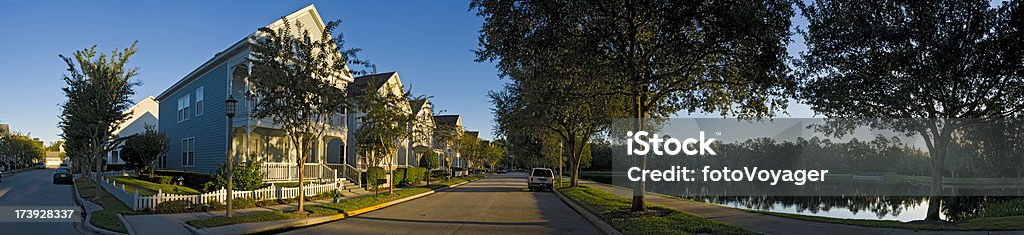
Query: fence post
point(135, 200)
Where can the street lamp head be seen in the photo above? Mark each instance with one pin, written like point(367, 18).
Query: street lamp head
point(229, 105)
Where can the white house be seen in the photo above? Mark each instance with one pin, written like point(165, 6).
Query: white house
point(145, 112)
point(381, 82)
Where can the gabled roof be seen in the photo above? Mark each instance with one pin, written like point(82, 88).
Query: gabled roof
point(372, 81)
point(450, 120)
point(237, 47)
point(417, 105)
point(474, 134)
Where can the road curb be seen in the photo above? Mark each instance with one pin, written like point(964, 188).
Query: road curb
point(88, 214)
point(591, 217)
point(303, 222)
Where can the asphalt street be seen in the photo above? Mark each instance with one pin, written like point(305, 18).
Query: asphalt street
point(499, 204)
point(35, 188)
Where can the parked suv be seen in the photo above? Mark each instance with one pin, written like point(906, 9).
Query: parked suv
point(541, 178)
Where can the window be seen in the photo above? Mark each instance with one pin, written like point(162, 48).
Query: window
point(114, 157)
point(199, 101)
point(183, 105)
point(188, 152)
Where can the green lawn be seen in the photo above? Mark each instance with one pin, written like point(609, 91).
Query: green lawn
point(106, 218)
point(247, 218)
point(288, 184)
point(147, 188)
point(370, 200)
point(327, 209)
point(656, 220)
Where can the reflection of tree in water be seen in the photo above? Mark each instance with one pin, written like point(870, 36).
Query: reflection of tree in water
point(880, 206)
point(953, 208)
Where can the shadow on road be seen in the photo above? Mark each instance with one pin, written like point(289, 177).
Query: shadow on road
point(453, 221)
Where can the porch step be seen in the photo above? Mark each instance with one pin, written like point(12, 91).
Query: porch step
point(351, 187)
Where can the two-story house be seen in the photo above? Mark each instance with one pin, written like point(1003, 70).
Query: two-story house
point(381, 82)
point(421, 131)
point(144, 113)
point(198, 130)
point(453, 125)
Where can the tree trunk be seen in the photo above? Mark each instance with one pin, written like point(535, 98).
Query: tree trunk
point(638, 186)
point(938, 158)
point(302, 177)
point(391, 179)
point(99, 161)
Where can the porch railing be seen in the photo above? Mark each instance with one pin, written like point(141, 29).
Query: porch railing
point(290, 172)
point(347, 171)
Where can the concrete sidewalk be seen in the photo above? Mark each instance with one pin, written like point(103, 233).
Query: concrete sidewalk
point(767, 224)
point(175, 223)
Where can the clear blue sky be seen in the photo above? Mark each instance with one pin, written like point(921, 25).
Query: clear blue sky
point(429, 43)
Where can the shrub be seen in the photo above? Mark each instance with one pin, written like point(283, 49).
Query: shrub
point(192, 179)
point(215, 205)
point(415, 175)
point(176, 206)
point(399, 175)
point(246, 175)
point(266, 203)
point(374, 175)
point(159, 179)
point(242, 203)
point(442, 173)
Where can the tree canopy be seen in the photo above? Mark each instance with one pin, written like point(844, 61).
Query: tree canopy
point(99, 89)
point(664, 57)
point(296, 79)
point(918, 67)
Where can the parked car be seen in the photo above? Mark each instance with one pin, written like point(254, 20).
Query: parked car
point(41, 166)
point(541, 178)
point(62, 175)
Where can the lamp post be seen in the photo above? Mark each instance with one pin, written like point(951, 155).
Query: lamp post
point(229, 105)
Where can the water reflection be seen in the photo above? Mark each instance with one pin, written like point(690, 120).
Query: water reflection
point(860, 207)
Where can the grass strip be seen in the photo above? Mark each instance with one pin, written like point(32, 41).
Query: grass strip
point(146, 188)
point(106, 218)
point(655, 220)
point(325, 209)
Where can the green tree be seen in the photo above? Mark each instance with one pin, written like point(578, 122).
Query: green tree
point(664, 56)
point(142, 150)
point(98, 92)
point(471, 150)
point(946, 65)
point(385, 123)
point(448, 138)
point(55, 146)
point(297, 82)
point(494, 154)
point(430, 162)
point(21, 148)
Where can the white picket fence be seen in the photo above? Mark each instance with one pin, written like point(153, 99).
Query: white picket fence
point(137, 202)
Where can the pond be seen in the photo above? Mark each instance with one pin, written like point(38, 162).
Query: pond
point(899, 208)
point(878, 208)
point(862, 207)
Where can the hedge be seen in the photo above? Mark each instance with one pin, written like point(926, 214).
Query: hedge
point(415, 175)
point(375, 174)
